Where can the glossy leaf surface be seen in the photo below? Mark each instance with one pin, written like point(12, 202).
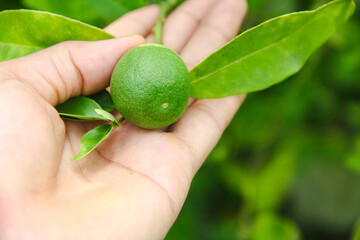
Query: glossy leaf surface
point(268, 53)
point(92, 139)
point(103, 98)
point(80, 108)
point(26, 31)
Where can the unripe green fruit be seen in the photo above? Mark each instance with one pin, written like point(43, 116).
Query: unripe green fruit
point(150, 86)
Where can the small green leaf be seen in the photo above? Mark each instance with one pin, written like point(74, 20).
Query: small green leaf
point(26, 31)
point(107, 115)
point(268, 53)
point(80, 108)
point(92, 139)
point(104, 99)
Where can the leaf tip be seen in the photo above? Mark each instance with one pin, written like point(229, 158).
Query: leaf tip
point(79, 156)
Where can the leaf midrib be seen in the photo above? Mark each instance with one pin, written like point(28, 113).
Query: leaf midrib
point(52, 15)
point(23, 46)
point(253, 53)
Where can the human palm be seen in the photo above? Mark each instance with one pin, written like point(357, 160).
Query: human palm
point(134, 184)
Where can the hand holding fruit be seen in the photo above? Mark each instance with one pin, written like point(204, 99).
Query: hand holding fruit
point(134, 184)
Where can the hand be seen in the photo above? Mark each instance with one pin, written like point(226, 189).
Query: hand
point(134, 185)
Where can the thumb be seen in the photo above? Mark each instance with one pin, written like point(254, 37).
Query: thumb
point(70, 68)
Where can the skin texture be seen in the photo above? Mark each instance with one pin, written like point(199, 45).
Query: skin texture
point(134, 185)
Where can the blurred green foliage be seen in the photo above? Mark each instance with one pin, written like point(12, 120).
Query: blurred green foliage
point(268, 226)
point(288, 166)
point(94, 12)
point(356, 234)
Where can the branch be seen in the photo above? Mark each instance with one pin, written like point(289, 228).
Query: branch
point(165, 9)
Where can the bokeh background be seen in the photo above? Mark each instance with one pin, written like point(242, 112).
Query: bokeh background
point(288, 166)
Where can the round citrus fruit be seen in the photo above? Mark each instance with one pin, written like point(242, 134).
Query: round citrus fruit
point(150, 86)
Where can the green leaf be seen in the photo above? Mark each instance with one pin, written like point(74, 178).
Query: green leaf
point(107, 115)
point(268, 53)
point(80, 108)
point(271, 227)
point(92, 139)
point(27, 31)
point(104, 99)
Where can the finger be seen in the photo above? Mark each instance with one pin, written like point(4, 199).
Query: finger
point(140, 22)
point(203, 123)
point(219, 26)
point(70, 68)
point(181, 23)
point(205, 120)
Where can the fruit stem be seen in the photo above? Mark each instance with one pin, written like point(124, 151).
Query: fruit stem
point(118, 122)
point(165, 9)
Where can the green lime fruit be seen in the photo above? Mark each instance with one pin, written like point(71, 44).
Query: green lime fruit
point(150, 86)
